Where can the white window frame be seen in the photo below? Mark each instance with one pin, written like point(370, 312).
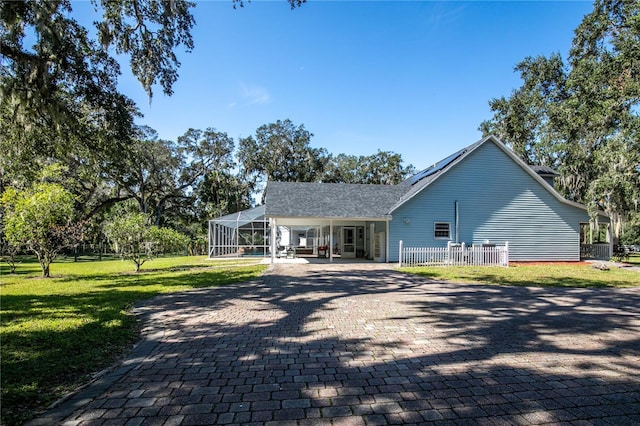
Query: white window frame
point(436, 230)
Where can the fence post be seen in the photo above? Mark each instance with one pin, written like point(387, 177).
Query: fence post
point(463, 255)
point(400, 255)
point(506, 253)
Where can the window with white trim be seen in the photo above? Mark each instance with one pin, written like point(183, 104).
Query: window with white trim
point(442, 230)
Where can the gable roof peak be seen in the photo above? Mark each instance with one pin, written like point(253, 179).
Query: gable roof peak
point(419, 184)
point(425, 176)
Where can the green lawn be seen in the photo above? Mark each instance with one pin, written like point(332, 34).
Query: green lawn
point(634, 260)
point(546, 275)
point(56, 332)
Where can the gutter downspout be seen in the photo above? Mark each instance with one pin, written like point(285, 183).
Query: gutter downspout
point(457, 211)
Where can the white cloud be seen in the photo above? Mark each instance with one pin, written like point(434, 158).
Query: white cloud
point(254, 95)
point(443, 14)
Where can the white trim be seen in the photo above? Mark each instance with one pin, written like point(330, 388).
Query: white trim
point(327, 219)
point(435, 237)
point(274, 231)
point(386, 256)
point(610, 235)
point(343, 242)
point(330, 241)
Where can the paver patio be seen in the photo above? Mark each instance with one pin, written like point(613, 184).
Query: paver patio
point(364, 344)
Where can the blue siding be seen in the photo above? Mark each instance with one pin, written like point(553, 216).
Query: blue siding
point(497, 201)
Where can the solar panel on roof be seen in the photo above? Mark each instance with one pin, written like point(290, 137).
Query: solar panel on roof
point(436, 167)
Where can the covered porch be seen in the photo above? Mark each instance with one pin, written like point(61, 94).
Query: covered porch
point(251, 233)
point(596, 241)
point(328, 238)
point(349, 221)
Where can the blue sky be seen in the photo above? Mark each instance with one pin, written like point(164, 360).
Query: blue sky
point(410, 77)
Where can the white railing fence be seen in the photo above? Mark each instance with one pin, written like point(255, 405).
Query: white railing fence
point(600, 251)
point(455, 255)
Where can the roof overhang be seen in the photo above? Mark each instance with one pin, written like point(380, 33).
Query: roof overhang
point(305, 221)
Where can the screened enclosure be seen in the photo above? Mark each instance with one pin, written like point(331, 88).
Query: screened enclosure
point(244, 233)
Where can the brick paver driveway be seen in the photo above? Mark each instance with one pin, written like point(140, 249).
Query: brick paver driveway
point(361, 344)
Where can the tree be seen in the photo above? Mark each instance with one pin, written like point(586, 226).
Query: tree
point(8, 251)
point(149, 172)
point(616, 185)
point(577, 117)
point(40, 219)
point(161, 175)
point(527, 120)
point(59, 99)
point(631, 232)
point(61, 90)
point(210, 158)
point(384, 167)
point(139, 242)
point(164, 176)
point(222, 193)
point(281, 152)
point(65, 68)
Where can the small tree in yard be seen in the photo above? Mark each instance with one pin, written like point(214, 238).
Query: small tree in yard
point(138, 242)
point(7, 251)
point(40, 219)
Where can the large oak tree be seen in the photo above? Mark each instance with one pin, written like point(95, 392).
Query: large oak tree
point(582, 115)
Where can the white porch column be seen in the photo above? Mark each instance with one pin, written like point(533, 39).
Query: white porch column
point(330, 240)
point(274, 231)
point(238, 235)
point(610, 238)
point(386, 258)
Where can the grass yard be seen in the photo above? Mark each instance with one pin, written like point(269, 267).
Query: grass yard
point(56, 332)
point(533, 275)
point(634, 260)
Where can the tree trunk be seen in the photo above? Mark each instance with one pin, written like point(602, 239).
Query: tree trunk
point(44, 265)
point(159, 209)
point(47, 258)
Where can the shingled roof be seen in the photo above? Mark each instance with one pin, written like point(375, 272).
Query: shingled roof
point(545, 171)
point(342, 200)
point(358, 201)
point(331, 200)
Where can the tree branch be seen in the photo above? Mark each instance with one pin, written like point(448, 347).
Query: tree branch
point(105, 204)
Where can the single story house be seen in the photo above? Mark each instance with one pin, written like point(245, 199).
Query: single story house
point(481, 194)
